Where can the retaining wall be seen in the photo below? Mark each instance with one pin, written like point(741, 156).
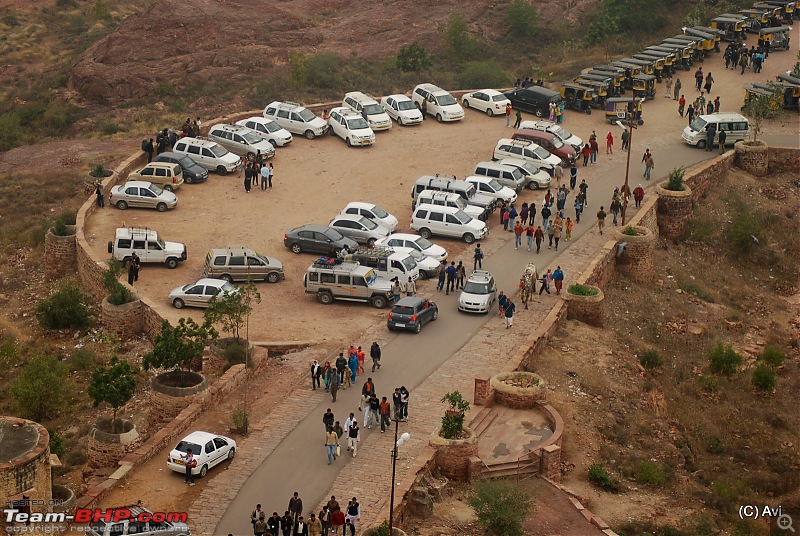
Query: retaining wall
point(60, 254)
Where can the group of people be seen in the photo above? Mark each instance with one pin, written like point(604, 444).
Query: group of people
point(452, 276)
point(331, 519)
point(738, 55)
point(254, 170)
point(528, 82)
point(164, 141)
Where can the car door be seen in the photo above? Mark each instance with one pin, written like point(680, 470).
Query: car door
point(256, 268)
point(209, 292)
point(154, 252)
point(211, 454)
point(237, 267)
point(308, 241)
point(322, 243)
point(132, 196)
point(222, 448)
point(146, 174)
point(209, 160)
point(160, 176)
point(147, 198)
point(194, 296)
point(482, 101)
point(452, 224)
point(349, 229)
point(391, 108)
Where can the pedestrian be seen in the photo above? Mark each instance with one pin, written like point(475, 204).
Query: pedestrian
point(256, 168)
point(668, 91)
point(314, 526)
point(385, 413)
point(568, 225)
point(375, 354)
point(373, 411)
point(681, 105)
point(451, 277)
point(557, 231)
point(584, 192)
point(461, 275)
point(296, 508)
point(698, 78)
point(538, 235)
point(573, 174)
point(353, 438)
point(98, 191)
point(397, 403)
point(328, 419)
point(326, 375)
point(609, 143)
point(722, 137)
point(546, 213)
point(716, 105)
point(519, 119)
point(324, 520)
point(404, 396)
point(518, 234)
point(505, 214)
point(545, 281)
point(529, 231)
point(264, 177)
point(709, 82)
point(601, 219)
point(287, 524)
point(366, 390)
point(131, 272)
point(638, 195)
point(316, 374)
point(586, 152)
point(677, 89)
point(711, 134)
point(337, 516)
point(477, 258)
point(190, 463)
point(352, 364)
point(257, 514)
point(502, 299)
point(550, 233)
point(615, 207)
point(648, 166)
point(523, 214)
point(509, 313)
point(558, 279)
point(690, 113)
point(260, 525)
point(335, 382)
point(561, 199)
point(743, 62)
point(362, 357)
point(508, 115)
point(274, 524)
point(626, 136)
point(594, 148)
point(149, 148)
point(248, 178)
point(337, 427)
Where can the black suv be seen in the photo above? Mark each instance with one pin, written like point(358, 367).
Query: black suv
point(411, 313)
point(192, 172)
point(534, 99)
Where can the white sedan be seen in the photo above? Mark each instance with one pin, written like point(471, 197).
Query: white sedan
point(350, 126)
point(199, 293)
point(207, 449)
point(372, 212)
point(402, 109)
point(490, 101)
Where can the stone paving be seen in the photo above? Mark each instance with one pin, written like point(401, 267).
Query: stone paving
point(512, 434)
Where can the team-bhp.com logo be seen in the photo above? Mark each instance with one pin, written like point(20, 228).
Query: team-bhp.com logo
point(93, 515)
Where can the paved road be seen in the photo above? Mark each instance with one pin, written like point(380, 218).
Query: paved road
point(299, 463)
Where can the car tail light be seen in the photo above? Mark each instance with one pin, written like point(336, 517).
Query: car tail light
point(286, 237)
point(174, 180)
point(413, 318)
point(390, 315)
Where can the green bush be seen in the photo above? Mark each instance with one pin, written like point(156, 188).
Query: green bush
point(99, 171)
point(235, 353)
point(501, 506)
point(109, 127)
point(10, 19)
point(114, 385)
point(56, 442)
point(724, 360)
point(119, 295)
point(772, 356)
point(478, 74)
point(82, 359)
point(675, 180)
point(523, 18)
point(322, 71)
point(582, 290)
point(65, 308)
point(764, 378)
point(165, 89)
point(40, 388)
point(599, 476)
point(453, 419)
point(413, 58)
point(709, 384)
point(650, 473)
point(745, 233)
point(460, 45)
point(630, 230)
point(650, 359)
point(383, 529)
point(241, 421)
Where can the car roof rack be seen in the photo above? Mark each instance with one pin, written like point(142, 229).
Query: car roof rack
point(330, 262)
point(289, 103)
point(375, 251)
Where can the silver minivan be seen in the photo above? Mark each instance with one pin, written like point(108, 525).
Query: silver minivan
point(431, 220)
point(736, 127)
point(505, 175)
point(209, 154)
point(241, 140)
point(242, 264)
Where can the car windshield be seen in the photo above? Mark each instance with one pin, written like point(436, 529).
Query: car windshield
point(357, 123)
point(333, 234)
point(155, 189)
point(473, 287)
point(561, 133)
point(271, 126)
point(540, 152)
point(498, 98)
point(698, 124)
point(307, 115)
point(405, 105)
point(369, 224)
point(186, 162)
point(370, 277)
point(379, 212)
point(496, 186)
point(162, 244)
point(227, 288)
point(409, 263)
point(445, 100)
point(219, 151)
point(183, 446)
point(373, 109)
point(462, 216)
point(187, 287)
point(251, 137)
point(423, 243)
point(557, 143)
point(517, 174)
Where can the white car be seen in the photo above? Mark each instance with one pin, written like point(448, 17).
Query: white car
point(350, 126)
point(296, 119)
point(407, 240)
point(536, 177)
point(478, 294)
point(402, 109)
point(199, 293)
point(437, 102)
point(371, 212)
point(556, 130)
point(526, 150)
point(268, 130)
point(492, 187)
point(428, 266)
point(208, 450)
point(489, 101)
point(359, 228)
point(368, 107)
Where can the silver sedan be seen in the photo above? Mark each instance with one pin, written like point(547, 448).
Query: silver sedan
point(143, 195)
point(199, 293)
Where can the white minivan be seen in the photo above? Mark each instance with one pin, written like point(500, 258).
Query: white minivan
point(437, 102)
point(209, 154)
point(431, 220)
point(736, 127)
point(369, 109)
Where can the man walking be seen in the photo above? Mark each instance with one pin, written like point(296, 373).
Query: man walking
point(451, 277)
point(698, 78)
point(373, 409)
point(296, 508)
point(601, 219)
point(538, 235)
point(648, 166)
point(615, 207)
point(442, 273)
point(335, 381)
point(638, 195)
point(264, 177)
point(353, 438)
point(518, 234)
point(190, 463)
point(375, 354)
point(558, 279)
point(722, 137)
point(509, 313)
point(328, 419)
point(681, 105)
point(385, 412)
point(711, 133)
point(477, 258)
point(508, 115)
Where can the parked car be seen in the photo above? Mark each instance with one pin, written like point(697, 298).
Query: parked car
point(506, 175)
point(192, 171)
point(318, 239)
point(199, 293)
point(208, 450)
point(428, 266)
point(465, 189)
point(242, 141)
point(165, 175)
point(557, 130)
point(369, 109)
point(332, 279)
point(350, 126)
point(386, 262)
point(296, 119)
point(242, 264)
point(407, 240)
point(549, 142)
point(209, 154)
point(147, 245)
point(437, 102)
point(489, 101)
point(533, 99)
point(402, 109)
point(492, 188)
point(447, 221)
point(359, 228)
point(133, 525)
point(479, 293)
point(268, 130)
point(411, 313)
point(527, 150)
point(140, 194)
point(451, 199)
point(536, 176)
point(372, 212)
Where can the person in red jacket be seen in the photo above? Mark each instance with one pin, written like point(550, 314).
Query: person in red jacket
point(610, 143)
point(586, 152)
point(638, 195)
point(538, 235)
point(337, 520)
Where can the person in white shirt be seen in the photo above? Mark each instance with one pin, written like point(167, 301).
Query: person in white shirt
point(347, 424)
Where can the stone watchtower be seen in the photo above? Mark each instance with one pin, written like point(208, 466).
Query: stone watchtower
point(25, 469)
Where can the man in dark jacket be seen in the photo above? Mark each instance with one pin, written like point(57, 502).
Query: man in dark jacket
point(296, 507)
point(287, 524)
point(452, 273)
point(341, 366)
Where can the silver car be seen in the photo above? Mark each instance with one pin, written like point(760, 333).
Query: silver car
point(359, 228)
point(478, 294)
point(199, 293)
point(141, 194)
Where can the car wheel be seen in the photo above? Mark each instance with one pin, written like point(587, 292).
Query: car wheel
point(272, 277)
point(489, 112)
point(390, 328)
point(231, 454)
point(168, 187)
point(466, 103)
point(641, 122)
point(378, 302)
point(325, 298)
point(399, 120)
point(539, 113)
point(251, 157)
point(161, 207)
point(533, 185)
point(222, 171)
point(171, 263)
point(227, 278)
point(418, 327)
point(701, 144)
point(296, 248)
point(588, 111)
point(371, 242)
point(439, 117)
point(203, 471)
point(469, 238)
point(187, 179)
point(423, 275)
point(122, 205)
point(274, 143)
point(435, 315)
point(178, 303)
point(425, 233)
point(310, 134)
point(347, 141)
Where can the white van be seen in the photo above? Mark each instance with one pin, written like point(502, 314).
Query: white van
point(147, 245)
point(431, 220)
point(506, 175)
point(437, 102)
point(369, 109)
point(451, 199)
point(736, 127)
point(209, 154)
point(386, 262)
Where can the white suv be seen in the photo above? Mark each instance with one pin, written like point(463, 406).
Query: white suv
point(350, 126)
point(269, 130)
point(209, 154)
point(369, 109)
point(296, 119)
point(148, 247)
point(437, 102)
point(241, 140)
point(402, 109)
point(526, 150)
point(491, 187)
point(447, 221)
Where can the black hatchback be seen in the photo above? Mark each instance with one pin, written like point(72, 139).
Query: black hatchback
point(411, 313)
point(192, 172)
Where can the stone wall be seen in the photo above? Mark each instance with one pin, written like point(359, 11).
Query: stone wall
point(124, 320)
point(60, 254)
point(453, 455)
point(28, 474)
point(165, 402)
point(586, 309)
point(550, 462)
point(515, 397)
point(752, 158)
point(636, 260)
point(709, 174)
point(107, 449)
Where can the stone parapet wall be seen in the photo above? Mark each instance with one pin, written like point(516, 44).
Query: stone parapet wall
point(29, 473)
point(60, 254)
point(636, 260)
point(515, 397)
point(674, 211)
point(704, 176)
point(453, 455)
point(107, 449)
point(550, 462)
point(752, 158)
point(125, 321)
point(586, 309)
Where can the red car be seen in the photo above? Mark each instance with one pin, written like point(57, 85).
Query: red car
point(549, 142)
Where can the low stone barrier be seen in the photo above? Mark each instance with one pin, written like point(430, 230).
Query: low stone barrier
point(753, 157)
point(453, 455)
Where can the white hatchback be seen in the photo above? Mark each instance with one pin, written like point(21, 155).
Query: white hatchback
point(372, 212)
point(478, 294)
point(268, 130)
point(207, 449)
point(350, 126)
point(402, 109)
point(407, 240)
point(489, 101)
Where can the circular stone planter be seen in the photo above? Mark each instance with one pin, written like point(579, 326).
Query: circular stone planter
point(452, 455)
point(123, 320)
point(586, 309)
point(753, 157)
point(517, 397)
point(60, 253)
point(674, 211)
point(105, 448)
point(372, 530)
point(219, 346)
point(636, 261)
point(167, 399)
point(63, 498)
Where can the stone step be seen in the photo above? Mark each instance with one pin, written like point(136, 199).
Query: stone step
point(483, 420)
point(510, 469)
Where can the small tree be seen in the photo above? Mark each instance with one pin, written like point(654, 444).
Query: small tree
point(459, 43)
point(413, 58)
point(65, 308)
point(760, 107)
point(232, 310)
point(118, 294)
point(724, 360)
point(523, 18)
point(40, 388)
point(501, 506)
point(175, 348)
point(675, 180)
point(453, 419)
point(764, 378)
point(114, 385)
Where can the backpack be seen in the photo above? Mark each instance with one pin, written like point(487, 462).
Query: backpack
point(144, 145)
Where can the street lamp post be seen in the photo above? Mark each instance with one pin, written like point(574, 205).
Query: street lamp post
point(632, 127)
